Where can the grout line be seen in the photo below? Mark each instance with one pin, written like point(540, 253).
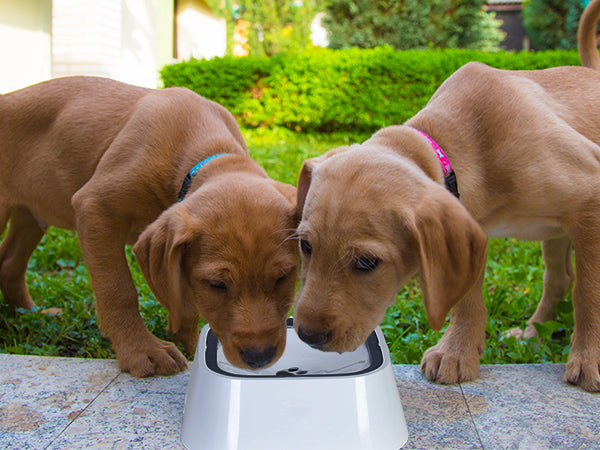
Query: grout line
point(471, 415)
point(110, 383)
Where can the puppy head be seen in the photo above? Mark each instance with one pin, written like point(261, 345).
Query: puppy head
point(224, 254)
point(370, 220)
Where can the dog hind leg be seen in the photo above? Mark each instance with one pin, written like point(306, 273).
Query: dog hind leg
point(24, 234)
point(558, 279)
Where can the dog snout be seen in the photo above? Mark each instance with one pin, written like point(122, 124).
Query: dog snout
point(258, 358)
point(316, 339)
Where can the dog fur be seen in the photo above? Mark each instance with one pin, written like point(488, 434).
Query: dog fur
point(108, 159)
point(525, 146)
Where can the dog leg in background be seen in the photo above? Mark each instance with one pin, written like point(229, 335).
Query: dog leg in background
point(24, 234)
point(558, 278)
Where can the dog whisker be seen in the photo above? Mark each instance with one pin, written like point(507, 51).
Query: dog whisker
point(293, 236)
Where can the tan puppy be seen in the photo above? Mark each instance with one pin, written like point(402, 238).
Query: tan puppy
point(525, 148)
point(109, 160)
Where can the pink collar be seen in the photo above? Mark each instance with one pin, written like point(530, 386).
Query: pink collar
point(449, 175)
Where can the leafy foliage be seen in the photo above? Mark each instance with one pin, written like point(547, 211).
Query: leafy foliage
point(552, 24)
point(275, 26)
point(411, 24)
point(323, 90)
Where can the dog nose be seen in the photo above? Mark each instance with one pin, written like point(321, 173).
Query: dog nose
point(316, 339)
point(258, 358)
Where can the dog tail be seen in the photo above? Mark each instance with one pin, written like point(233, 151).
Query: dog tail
point(586, 37)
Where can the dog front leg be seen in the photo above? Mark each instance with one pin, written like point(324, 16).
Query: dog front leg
point(138, 351)
point(456, 356)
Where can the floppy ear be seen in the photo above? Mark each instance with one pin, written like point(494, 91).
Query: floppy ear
point(305, 176)
point(452, 250)
point(158, 251)
point(304, 180)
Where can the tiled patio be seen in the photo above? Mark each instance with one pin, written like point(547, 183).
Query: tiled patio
point(65, 403)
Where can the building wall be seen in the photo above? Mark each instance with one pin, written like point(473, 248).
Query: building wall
point(25, 43)
point(200, 33)
point(509, 12)
point(129, 40)
point(121, 39)
point(516, 34)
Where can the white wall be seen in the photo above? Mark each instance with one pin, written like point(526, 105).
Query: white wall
point(25, 43)
point(200, 34)
point(129, 40)
point(113, 38)
point(86, 37)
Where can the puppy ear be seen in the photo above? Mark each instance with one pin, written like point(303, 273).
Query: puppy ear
point(305, 176)
point(158, 251)
point(304, 180)
point(452, 249)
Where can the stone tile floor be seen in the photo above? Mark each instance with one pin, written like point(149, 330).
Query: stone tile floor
point(67, 403)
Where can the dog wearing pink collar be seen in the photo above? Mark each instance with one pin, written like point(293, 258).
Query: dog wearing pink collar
point(525, 149)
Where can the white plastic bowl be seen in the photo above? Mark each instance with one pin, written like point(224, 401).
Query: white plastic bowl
point(307, 400)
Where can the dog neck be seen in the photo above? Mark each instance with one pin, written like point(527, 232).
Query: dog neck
point(187, 182)
point(449, 175)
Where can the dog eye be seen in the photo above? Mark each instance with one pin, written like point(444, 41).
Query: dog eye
point(281, 279)
point(366, 264)
point(305, 246)
point(218, 285)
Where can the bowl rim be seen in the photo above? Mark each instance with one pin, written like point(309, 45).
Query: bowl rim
point(372, 345)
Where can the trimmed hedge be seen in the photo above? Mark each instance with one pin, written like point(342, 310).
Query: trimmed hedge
point(329, 90)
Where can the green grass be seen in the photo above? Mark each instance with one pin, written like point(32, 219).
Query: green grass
point(58, 278)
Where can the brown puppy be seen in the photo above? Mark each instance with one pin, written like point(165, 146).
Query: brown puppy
point(525, 147)
point(109, 160)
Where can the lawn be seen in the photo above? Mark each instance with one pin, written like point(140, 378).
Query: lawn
point(58, 278)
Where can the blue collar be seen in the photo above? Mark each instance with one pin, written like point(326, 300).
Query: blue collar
point(188, 178)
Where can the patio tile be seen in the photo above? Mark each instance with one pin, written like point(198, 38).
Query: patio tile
point(437, 416)
point(41, 396)
point(131, 414)
point(531, 407)
point(67, 403)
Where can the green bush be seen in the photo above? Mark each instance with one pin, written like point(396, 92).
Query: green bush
point(356, 90)
point(412, 24)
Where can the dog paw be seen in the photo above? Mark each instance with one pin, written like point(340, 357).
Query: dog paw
point(449, 367)
point(513, 332)
point(529, 332)
point(583, 370)
point(162, 358)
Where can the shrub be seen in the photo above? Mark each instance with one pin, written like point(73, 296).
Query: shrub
point(354, 90)
point(552, 24)
point(411, 24)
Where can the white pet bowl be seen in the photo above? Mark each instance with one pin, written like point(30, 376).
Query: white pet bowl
point(307, 400)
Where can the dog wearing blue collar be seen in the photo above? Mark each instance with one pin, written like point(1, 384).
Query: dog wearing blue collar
point(108, 159)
